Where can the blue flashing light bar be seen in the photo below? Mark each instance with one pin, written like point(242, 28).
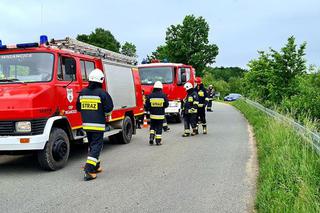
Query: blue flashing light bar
point(0, 43)
point(27, 45)
point(43, 39)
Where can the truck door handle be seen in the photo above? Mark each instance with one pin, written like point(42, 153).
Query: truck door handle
point(123, 107)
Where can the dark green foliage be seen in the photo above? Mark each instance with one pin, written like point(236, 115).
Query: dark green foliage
point(188, 43)
point(273, 75)
point(281, 79)
point(129, 49)
point(224, 79)
point(101, 38)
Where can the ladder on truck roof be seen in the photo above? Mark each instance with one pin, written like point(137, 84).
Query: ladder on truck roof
point(88, 49)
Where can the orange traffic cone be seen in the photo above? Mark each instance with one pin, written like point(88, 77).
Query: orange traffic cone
point(145, 122)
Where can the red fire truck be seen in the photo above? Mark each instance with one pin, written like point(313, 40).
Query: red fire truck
point(39, 86)
point(173, 76)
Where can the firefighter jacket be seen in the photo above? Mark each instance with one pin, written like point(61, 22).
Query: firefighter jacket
point(211, 94)
point(190, 103)
point(202, 95)
point(94, 105)
point(156, 102)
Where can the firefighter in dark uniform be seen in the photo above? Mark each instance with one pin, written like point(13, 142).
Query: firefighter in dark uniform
point(203, 100)
point(211, 94)
point(95, 104)
point(156, 103)
point(189, 110)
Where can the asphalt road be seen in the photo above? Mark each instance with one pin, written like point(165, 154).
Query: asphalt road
point(205, 173)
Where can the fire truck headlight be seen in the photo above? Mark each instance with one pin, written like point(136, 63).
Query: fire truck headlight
point(23, 126)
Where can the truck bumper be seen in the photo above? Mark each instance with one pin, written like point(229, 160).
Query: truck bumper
point(12, 143)
point(174, 107)
point(36, 142)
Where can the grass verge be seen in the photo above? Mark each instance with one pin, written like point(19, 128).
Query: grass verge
point(289, 169)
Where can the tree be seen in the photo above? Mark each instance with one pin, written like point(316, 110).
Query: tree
point(274, 75)
point(101, 38)
point(129, 49)
point(188, 43)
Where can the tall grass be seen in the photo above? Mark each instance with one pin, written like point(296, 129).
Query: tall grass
point(289, 169)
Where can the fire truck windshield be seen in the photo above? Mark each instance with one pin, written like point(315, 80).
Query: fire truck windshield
point(26, 67)
point(149, 75)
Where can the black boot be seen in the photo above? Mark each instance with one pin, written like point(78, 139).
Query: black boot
point(194, 131)
point(151, 139)
point(204, 129)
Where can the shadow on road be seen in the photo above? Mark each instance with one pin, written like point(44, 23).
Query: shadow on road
point(28, 163)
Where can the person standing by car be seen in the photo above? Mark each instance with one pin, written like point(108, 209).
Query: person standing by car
point(203, 100)
point(95, 104)
point(156, 103)
point(211, 94)
point(189, 111)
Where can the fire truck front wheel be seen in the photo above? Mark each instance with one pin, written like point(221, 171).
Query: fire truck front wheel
point(55, 154)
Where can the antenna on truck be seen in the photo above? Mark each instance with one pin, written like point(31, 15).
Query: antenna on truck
point(84, 48)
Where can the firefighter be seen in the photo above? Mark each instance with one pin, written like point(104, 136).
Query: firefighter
point(156, 103)
point(203, 100)
point(95, 104)
point(211, 94)
point(189, 110)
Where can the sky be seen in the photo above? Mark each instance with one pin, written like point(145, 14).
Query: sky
point(238, 27)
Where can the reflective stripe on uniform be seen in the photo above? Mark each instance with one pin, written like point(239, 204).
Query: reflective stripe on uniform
point(200, 105)
point(196, 102)
point(152, 131)
point(190, 99)
point(187, 131)
point(157, 117)
point(158, 137)
point(192, 110)
point(93, 126)
point(207, 99)
point(201, 93)
point(165, 124)
point(92, 161)
point(90, 98)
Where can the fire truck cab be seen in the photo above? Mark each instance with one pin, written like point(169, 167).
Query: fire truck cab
point(39, 87)
point(173, 76)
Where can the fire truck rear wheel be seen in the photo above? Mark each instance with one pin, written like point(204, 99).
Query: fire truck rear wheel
point(125, 135)
point(55, 154)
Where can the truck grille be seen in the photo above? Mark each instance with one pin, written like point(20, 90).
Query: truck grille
point(7, 128)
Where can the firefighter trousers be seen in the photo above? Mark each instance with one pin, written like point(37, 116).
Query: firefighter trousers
point(156, 126)
point(202, 116)
point(165, 124)
point(209, 107)
point(190, 120)
point(95, 146)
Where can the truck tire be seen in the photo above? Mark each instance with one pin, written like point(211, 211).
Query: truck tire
point(125, 135)
point(55, 154)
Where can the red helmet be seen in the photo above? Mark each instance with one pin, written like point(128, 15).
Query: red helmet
point(198, 80)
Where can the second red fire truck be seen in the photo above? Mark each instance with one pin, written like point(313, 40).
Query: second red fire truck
point(173, 76)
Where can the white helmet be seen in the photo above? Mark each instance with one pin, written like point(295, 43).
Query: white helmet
point(188, 86)
point(158, 85)
point(96, 75)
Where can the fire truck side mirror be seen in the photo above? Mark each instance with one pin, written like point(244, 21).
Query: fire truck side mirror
point(70, 66)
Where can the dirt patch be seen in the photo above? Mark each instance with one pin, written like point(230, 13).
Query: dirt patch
point(252, 171)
